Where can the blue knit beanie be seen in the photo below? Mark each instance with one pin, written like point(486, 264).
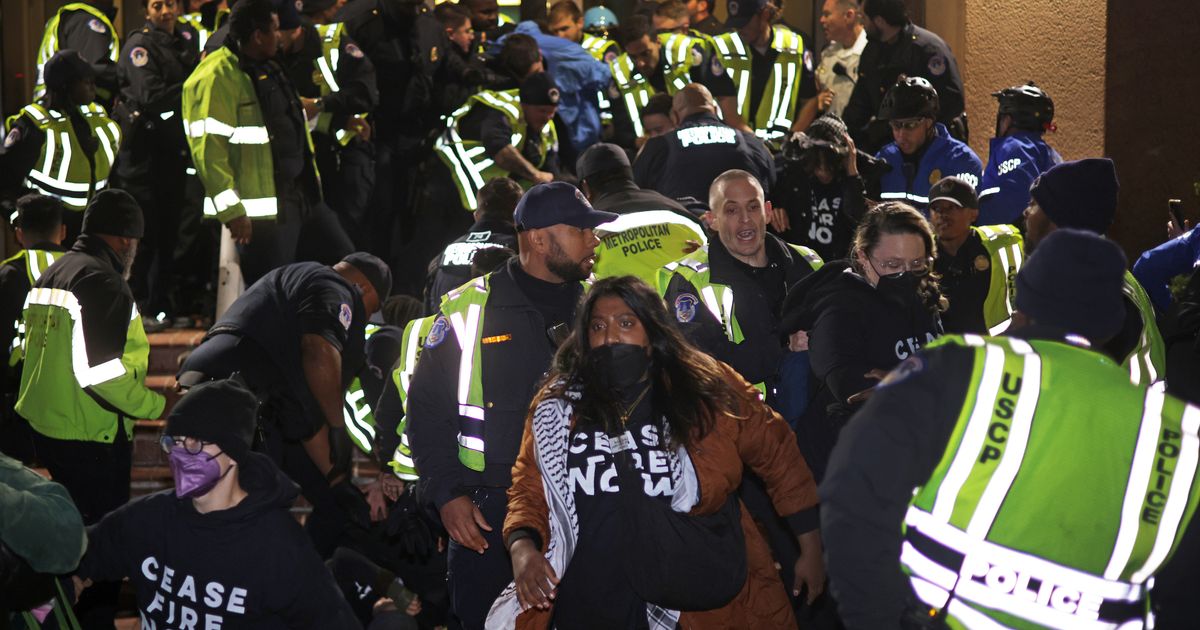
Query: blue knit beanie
point(1073, 282)
point(1080, 194)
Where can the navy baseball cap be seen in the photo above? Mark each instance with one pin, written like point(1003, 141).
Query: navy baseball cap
point(289, 13)
point(742, 11)
point(557, 203)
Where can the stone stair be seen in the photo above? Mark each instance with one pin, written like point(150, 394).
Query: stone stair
point(150, 470)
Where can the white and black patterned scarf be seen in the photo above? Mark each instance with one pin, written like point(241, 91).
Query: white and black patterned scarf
point(552, 434)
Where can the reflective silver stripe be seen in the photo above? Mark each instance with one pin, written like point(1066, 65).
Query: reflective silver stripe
point(1135, 489)
point(249, 135)
point(1014, 449)
point(634, 114)
point(1177, 497)
point(467, 333)
point(199, 128)
point(974, 435)
point(473, 443)
point(989, 191)
point(86, 374)
point(354, 415)
point(327, 74)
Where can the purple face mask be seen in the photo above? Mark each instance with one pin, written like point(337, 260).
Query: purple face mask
point(195, 475)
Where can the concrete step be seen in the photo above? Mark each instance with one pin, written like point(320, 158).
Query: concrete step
point(167, 347)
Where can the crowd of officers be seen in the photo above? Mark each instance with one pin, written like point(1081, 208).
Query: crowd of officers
point(494, 169)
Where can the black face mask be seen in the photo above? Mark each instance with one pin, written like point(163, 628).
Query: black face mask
point(624, 364)
point(901, 287)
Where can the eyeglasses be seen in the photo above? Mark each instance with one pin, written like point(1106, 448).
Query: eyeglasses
point(906, 125)
point(192, 445)
point(918, 267)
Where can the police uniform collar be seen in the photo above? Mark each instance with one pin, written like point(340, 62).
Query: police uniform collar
point(1040, 332)
point(700, 118)
point(93, 245)
point(503, 227)
point(506, 292)
point(723, 265)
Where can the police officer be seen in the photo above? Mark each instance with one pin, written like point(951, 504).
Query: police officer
point(600, 21)
point(666, 62)
point(972, 424)
point(684, 162)
point(1018, 154)
point(1083, 195)
point(37, 158)
point(728, 298)
point(978, 265)
point(652, 230)
point(493, 227)
point(772, 65)
point(516, 130)
point(297, 337)
point(500, 332)
point(83, 383)
point(39, 232)
point(337, 88)
point(210, 16)
point(256, 161)
point(922, 151)
point(87, 28)
point(895, 47)
point(154, 157)
point(566, 21)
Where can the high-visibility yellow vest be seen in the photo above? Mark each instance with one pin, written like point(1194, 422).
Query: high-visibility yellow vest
point(415, 333)
point(1148, 361)
point(35, 261)
point(469, 165)
point(1005, 247)
point(62, 169)
point(781, 94)
point(50, 44)
point(636, 90)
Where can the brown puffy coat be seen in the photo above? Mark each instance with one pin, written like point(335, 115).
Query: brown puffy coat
point(762, 441)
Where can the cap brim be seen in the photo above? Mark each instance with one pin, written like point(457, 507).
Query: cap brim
point(593, 219)
point(738, 22)
point(950, 199)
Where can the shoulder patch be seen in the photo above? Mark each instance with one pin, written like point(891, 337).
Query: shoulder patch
point(300, 6)
point(96, 25)
point(353, 50)
point(982, 263)
point(13, 137)
point(186, 34)
point(937, 64)
point(685, 307)
point(935, 176)
point(139, 56)
point(345, 316)
point(808, 60)
point(697, 56)
point(716, 67)
point(900, 373)
point(437, 332)
point(610, 56)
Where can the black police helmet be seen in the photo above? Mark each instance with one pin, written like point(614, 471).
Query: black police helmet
point(1029, 105)
point(911, 97)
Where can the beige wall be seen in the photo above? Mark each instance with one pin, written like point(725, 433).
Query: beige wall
point(1059, 45)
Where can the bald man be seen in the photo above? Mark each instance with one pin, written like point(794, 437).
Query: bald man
point(684, 162)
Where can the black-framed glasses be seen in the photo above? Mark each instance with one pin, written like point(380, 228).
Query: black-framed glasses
point(192, 445)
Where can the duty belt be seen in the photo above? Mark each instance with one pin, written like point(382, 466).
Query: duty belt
point(947, 565)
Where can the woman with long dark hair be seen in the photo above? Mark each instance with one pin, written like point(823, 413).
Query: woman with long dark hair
point(627, 381)
point(864, 316)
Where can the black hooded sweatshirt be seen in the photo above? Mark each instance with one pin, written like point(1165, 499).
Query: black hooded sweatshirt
point(853, 329)
point(250, 566)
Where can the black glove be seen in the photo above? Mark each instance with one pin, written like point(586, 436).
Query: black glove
point(408, 531)
point(353, 502)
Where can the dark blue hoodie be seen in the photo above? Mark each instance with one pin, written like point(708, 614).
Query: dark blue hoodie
point(250, 566)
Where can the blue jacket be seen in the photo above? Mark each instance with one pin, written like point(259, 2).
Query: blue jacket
point(1014, 161)
point(1155, 267)
point(579, 78)
point(944, 156)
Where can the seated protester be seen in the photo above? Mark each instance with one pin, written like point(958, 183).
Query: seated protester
point(656, 118)
point(863, 317)
point(379, 598)
point(923, 150)
point(40, 232)
point(626, 371)
point(493, 227)
point(1017, 155)
point(977, 266)
point(652, 229)
point(685, 161)
point(655, 63)
point(222, 548)
point(822, 189)
point(1157, 267)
